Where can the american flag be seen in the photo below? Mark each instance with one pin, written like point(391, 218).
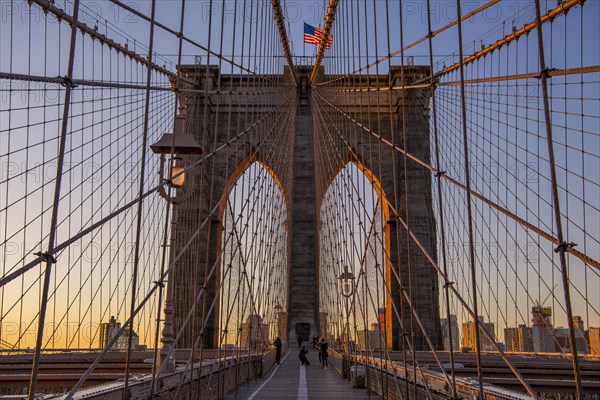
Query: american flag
point(313, 35)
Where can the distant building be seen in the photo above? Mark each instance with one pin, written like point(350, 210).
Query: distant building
point(108, 330)
point(580, 335)
point(450, 328)
point(594, 339)
point(372, 339)
point(525, 339)
point(562, 341)
point(123, 340)
point(518, 339)
point(511, 338)
point(469, 338)
point(578, 323)
point(542, 331)
point(255, 333)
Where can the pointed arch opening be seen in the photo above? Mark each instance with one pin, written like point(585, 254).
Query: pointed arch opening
point(354, 268)
point(253, 265)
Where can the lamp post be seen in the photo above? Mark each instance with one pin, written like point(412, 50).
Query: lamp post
point(176, 146)
point(347, 287)
point(179, 147)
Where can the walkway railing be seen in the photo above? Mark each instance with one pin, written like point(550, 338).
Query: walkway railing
point(210, 381)
point(391, 380)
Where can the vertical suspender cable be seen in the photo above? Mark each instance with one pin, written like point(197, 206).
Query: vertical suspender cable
point(469, 204)
point(168, 318)
point(406, 179)
point(140, 202)
point(54, 221)
point(440, 204)
point(556, 200)
point(284, 38)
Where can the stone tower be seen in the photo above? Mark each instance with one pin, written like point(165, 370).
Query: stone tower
point(304, 196)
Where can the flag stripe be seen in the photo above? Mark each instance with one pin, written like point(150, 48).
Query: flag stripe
point(314, 35)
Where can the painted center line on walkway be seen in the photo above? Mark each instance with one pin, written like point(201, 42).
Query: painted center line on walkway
point(270, 377)
point(302, 388)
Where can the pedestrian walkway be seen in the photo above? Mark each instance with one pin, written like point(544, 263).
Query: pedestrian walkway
point(290, 380)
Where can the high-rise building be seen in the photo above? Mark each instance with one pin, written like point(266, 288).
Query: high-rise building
point(518, 339)
point(594, 339)
point(450, 328)
point(255, 333)
point(525, 339)
point(108, 330)
point(123, 340)
point(578, 323)
point(511, 339)
point(469, 338)
point(372, 339)
point(562, 340)
point(580, 336)
point(542, 330)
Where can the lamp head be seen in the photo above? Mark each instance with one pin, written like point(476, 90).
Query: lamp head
point(347, 279)
point(177, 142)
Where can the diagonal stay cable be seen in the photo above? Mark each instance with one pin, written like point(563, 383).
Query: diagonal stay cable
point(444, 276)
point(582, 256)
point(61, 15)
point(8, 278)
point(501, 78)
point(172, 266)
point(562, 8)
point(204, 288)
point(389, 260)
point(284, 38)
point(413, 44)
point(137, 13)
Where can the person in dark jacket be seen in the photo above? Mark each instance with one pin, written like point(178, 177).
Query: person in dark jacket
point(302, 356)
point(324, 347)
point(318, 348)
point(277, 344)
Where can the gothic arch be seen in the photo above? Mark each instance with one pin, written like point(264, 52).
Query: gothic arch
point(239, 170)
point(385, 210)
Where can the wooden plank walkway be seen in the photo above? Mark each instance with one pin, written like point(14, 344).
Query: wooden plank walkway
point(290, 380)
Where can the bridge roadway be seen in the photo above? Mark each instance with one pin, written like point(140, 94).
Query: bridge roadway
point(290, 380)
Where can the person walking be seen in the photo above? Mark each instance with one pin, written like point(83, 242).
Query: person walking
point(302, 356)
point(277, 344)
point(299, 341)
point(324, 355)
point(318, 348)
